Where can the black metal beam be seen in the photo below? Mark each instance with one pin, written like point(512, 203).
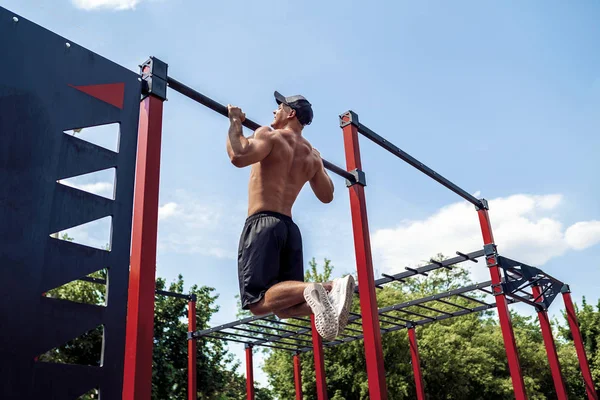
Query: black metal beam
point(429, 267)
point(395, 150)
point(221, 109)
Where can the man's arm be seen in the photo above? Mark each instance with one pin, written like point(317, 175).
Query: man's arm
point(246, 151)
point(321, 183)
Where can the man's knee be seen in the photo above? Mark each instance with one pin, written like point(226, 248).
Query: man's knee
point(282, 314)
point(258, 309)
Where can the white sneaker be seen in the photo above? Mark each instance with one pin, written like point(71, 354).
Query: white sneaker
point(341, 297)
point(325, 315)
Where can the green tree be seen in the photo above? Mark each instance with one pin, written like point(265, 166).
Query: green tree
point(589, 325)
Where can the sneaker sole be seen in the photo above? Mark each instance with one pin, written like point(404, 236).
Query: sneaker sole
point(347, 294)
point(325, 319)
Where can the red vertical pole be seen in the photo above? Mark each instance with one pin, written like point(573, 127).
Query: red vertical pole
point(249, 374)
point(364, 263)
point(416, 363)
point(137, 378)
point(319, 362)
point(298, 376)
point(192, 348)
point(579, 347)
point(559, 384)
point(510, 345)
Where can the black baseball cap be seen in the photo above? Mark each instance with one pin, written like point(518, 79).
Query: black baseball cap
point(303, 108)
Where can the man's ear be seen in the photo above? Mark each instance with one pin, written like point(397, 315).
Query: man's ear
point(292, 113)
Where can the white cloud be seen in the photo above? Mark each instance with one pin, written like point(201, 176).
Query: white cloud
point(582, 235)
point(167, 211)
point(106, 4)
point(525, 228)
point(188, 225)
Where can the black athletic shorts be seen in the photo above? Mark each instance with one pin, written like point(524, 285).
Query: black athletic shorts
point(270, 251)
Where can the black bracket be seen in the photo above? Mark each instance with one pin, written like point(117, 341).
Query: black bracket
point(349, 118)
point(154, 78)
point(191, 336)
point(483, 205)
point(490, 250)
point(565, 289)
point(193, 297)
point(496, 286)
point(359, 178)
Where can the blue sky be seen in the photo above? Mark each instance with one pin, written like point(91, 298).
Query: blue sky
point(502, 98)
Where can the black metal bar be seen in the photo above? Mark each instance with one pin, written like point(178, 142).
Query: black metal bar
point(440, 264)
point(455, 292)
point(172, 294)
point(271, 327)
point(248, 343)
point(93, 280)
point(466, 256)
point(270, 335)
point(395, 150)
point(472, 299)
point(521, 298)
point(273, 334)
point(416, 271)
point(429, 267)
point(393, 278)
point(221, 109)
point(453, 304)
point(415, 313)
point(432, 309)
point(229, 325)
point(382, 316)
point(408, 321)
point(535, 300)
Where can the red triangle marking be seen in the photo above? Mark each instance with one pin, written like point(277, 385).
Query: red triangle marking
point(111, 93)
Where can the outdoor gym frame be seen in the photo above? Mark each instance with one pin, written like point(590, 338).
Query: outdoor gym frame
point(509, 278)
point(80, 89)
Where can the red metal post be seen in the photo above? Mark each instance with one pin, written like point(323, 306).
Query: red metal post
point(559, 384)
point(137, 379)
point(416, 363)
point(364, 264)
point(192, 348)
point(298, 376)
point(249, 374)
point(579, 347)
point(510, 345)
point(319, 362)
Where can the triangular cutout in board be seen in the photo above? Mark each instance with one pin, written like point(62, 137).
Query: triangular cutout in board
point(83, 350)
point(106, 136)
point(96, 234)
point(90, 289)
point(100, 183)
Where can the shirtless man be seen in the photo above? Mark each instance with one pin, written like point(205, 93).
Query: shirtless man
point(270, 261)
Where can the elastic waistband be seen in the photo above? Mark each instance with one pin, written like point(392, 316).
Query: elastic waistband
point(269, 214)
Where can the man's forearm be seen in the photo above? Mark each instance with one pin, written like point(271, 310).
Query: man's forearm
point(236, 140)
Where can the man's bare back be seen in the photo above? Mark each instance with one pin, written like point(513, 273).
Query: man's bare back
point(282, 162)
point(276, 181)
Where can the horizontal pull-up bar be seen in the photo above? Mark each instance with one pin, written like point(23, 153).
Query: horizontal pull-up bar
point(350, 117)
point(221, 109)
